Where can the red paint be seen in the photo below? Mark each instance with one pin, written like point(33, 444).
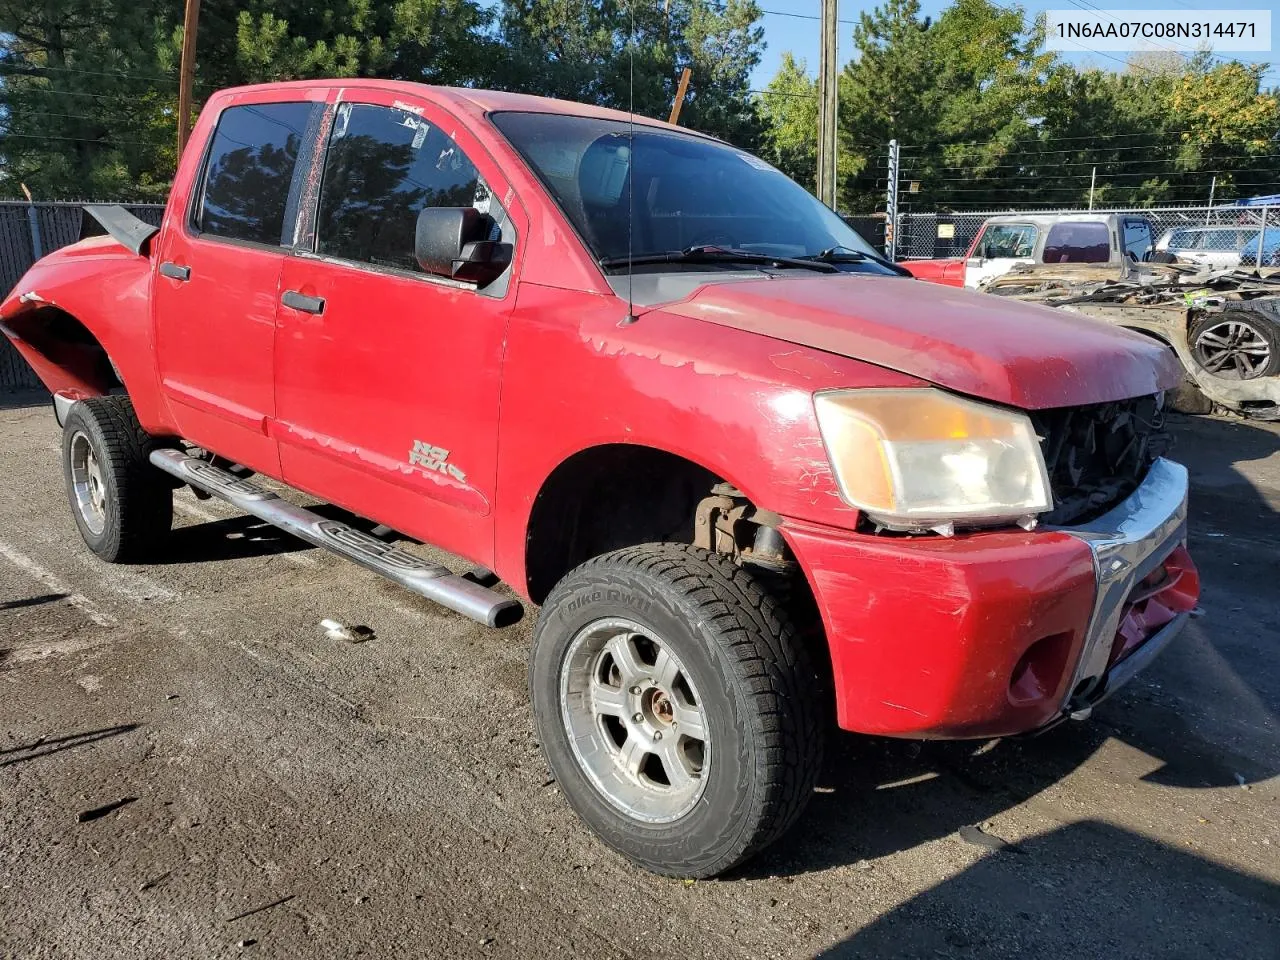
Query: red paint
point(925, 636)
point(929, 636)
point(1170, 590)
point(948, 273)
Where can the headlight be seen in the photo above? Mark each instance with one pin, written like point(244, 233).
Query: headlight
point(922, 458)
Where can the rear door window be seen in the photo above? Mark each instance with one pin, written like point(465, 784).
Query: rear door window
point(1137, 238)
point(249, 171)
point(1077, 243)
point(382, 167)
point(1007, 240)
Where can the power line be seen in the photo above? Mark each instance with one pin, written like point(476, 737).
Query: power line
point(28, 70)
point(101, 141)
point(1057, 164)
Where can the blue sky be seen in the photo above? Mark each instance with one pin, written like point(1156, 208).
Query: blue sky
point(800, 35)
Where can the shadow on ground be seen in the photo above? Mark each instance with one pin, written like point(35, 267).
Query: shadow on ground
point(18, 399)
point(1086, 890)
point(46, 746)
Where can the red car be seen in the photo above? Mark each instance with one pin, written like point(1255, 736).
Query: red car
point(751, 475)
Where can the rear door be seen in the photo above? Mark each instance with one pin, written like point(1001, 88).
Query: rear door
point(1137, 238)
point(387, 378)
point(999, 247)
point(219, 275)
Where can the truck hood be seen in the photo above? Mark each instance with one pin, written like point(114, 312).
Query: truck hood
point(1001, 350)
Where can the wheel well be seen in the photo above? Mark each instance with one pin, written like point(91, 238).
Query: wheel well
point(607, 497)
point(69, 354)
point(622, 495)
point(1150, 333)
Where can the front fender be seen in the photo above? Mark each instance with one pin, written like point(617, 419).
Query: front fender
point(575, 377)
point(106, 289)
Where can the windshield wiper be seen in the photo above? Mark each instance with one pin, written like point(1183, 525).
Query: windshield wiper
point(838, 254)
point(707, 254)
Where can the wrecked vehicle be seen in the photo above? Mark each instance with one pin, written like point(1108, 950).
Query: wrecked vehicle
point(1009, 240)
point(1224, 325)
point(754, 477)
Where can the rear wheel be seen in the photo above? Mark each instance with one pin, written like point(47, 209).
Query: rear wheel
point(123, 506)
point(678, 708)
point(1236, 345)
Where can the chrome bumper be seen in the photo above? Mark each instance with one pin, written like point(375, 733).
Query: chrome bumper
point(1128, 542)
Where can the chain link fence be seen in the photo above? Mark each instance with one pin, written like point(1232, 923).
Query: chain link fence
point(1235, 230)
point(28, 231)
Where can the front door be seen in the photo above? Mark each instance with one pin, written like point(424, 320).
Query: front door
point(218, 281)
point(387, 378)
point(999, 247)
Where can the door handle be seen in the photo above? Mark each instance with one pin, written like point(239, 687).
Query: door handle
point(297, 301)
point(174, 271)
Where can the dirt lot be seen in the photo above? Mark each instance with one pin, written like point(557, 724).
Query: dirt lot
point(282, 794)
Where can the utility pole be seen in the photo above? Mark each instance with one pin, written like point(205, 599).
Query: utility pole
point(680, 92)
point(828, 96)
point(187, 72)
point(891, 205)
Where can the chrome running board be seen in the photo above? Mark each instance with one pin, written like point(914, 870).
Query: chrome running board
point(427, 579)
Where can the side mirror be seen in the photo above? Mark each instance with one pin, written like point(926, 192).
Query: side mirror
point(453, 242)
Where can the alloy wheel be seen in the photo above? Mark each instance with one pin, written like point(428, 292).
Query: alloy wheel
point(1232, 350)
point(635, 722)
point(86, 483)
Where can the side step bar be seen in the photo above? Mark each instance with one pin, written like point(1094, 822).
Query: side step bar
point(430, 580)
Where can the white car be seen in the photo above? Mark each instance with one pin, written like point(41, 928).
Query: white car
point(1215, 247)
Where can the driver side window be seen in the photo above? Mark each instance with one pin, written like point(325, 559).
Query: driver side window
point(1007, 240)
point(382, 167)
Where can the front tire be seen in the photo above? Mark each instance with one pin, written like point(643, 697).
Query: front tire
point(122, 505)
point(677, 706)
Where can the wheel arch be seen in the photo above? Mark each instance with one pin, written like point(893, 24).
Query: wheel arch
point(67, 356)
point(606, 497)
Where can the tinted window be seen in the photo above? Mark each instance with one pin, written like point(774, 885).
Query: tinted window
point(249, 170)
point(1183, 240)
point(1007, 240)
point(652, 191)
point(1077, 243)
point(383, 166)
point(1137, 238)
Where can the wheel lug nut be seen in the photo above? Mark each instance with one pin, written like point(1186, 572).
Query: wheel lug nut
point(635, 691)
point(657, 735)
point(638, 718)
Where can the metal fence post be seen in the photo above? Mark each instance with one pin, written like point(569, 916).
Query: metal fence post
point(891, 204)
point(1262, 237)
point(33, 221)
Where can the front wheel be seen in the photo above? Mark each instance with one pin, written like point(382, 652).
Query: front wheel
point(678, 708)
point(122, 505)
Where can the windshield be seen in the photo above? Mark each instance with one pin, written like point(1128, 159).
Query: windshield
point(688, 192)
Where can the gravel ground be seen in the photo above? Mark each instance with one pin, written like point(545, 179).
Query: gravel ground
point(251, 787)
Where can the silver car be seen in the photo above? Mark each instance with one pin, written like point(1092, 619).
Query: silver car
point(1215, 247)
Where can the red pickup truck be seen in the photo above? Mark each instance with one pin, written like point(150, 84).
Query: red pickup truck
point(752, 476)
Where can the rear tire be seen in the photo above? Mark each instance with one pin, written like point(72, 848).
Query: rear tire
point(678, 707)
point(122, 505)
point(1236, 345)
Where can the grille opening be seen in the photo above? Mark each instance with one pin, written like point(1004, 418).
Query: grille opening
point(1097, 455)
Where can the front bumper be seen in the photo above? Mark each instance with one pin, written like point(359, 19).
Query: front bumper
point(997, 633)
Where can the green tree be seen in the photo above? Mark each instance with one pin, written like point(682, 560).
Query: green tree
point(789, 110)
point(85, 107)
point(616, 53)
